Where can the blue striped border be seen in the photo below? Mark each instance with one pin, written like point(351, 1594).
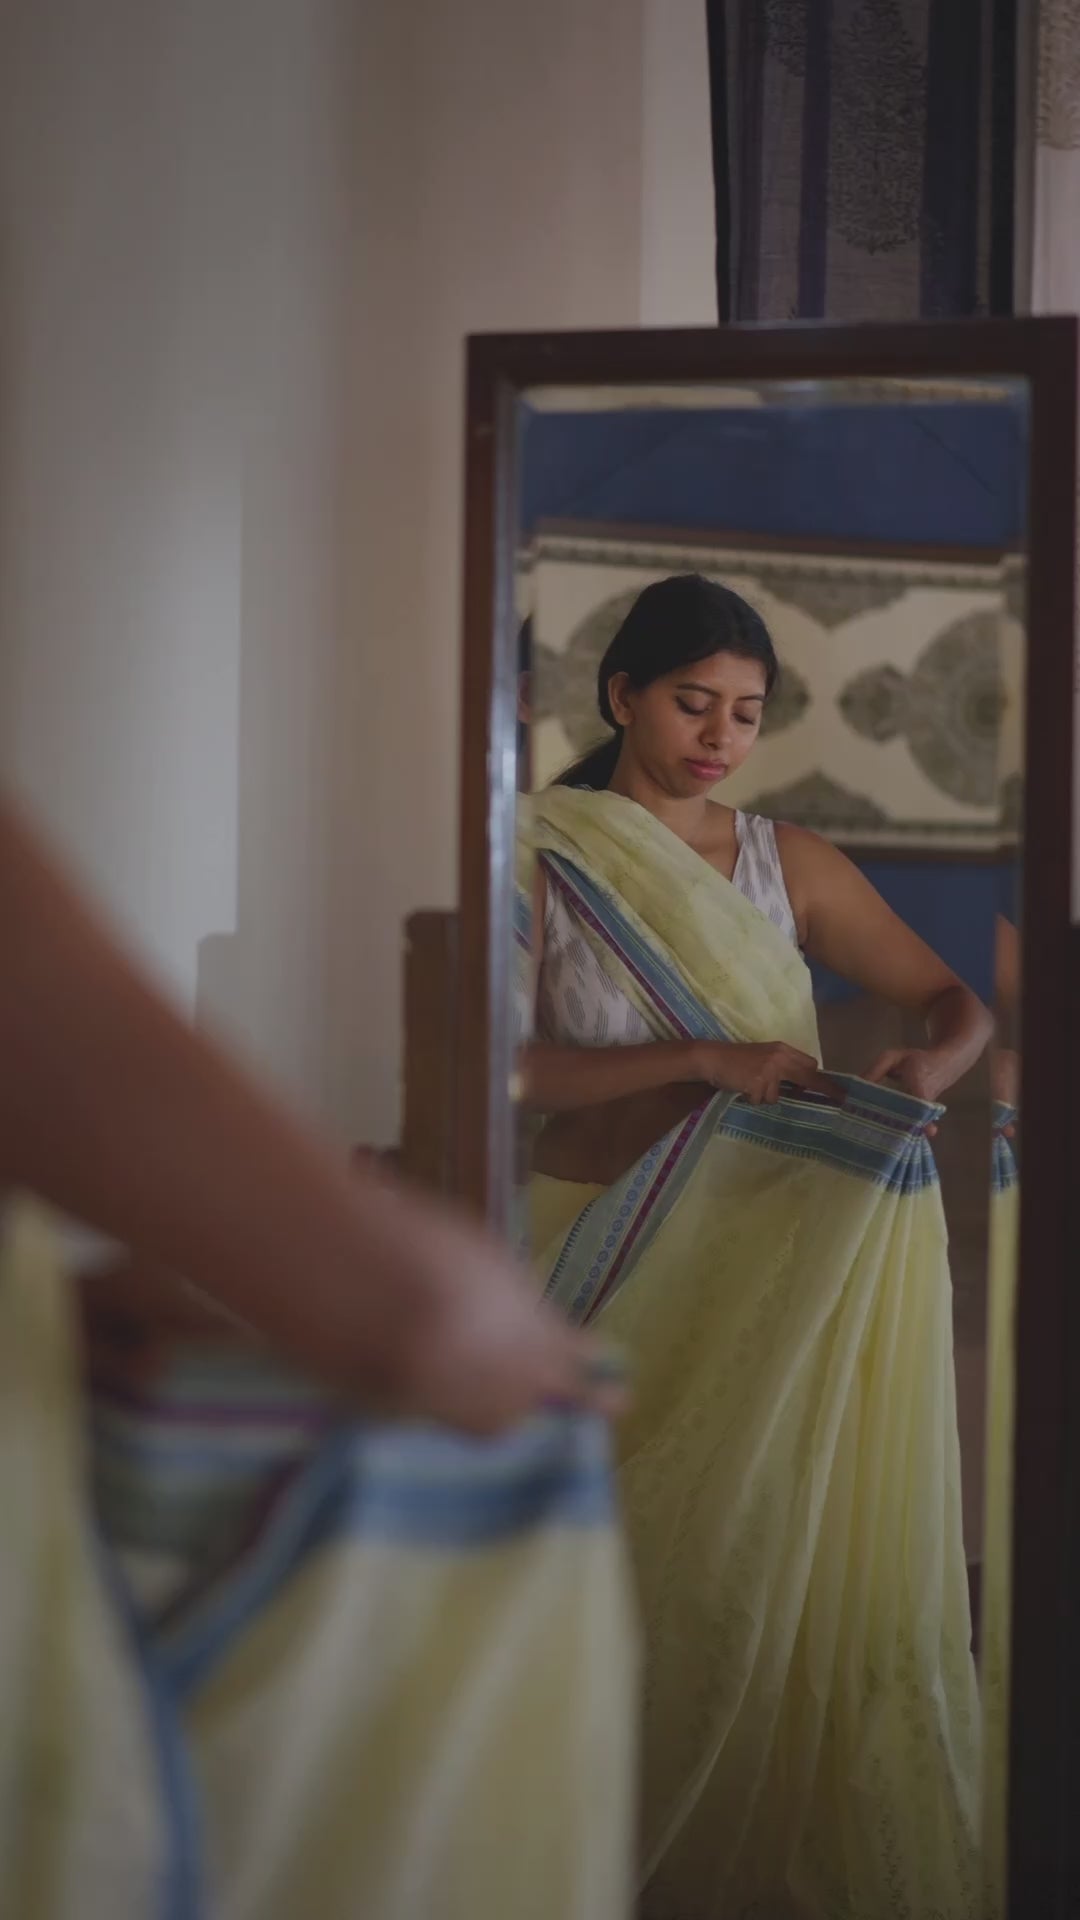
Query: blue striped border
point(602, 1239)
point(659, 980)
point(415, 1487)
point(181, 1892)
point(879, 1135)
point(880, 1138)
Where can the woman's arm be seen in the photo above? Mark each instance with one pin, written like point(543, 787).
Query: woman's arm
point(848, 927)
point(113, 1110)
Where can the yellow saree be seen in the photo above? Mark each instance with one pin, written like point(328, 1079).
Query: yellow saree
point(790, 1469)
point(410, 1694)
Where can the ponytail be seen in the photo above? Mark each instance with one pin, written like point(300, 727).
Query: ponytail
point(596, 769)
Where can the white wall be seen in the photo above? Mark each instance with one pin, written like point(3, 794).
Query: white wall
point(678, 274)
point(242, 243)
point(263, 977)
point(517, 204)
point(119, 484)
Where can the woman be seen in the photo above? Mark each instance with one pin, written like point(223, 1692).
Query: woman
point(768, 1244)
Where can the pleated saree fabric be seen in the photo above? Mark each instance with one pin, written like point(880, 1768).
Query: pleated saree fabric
point(411, 1694)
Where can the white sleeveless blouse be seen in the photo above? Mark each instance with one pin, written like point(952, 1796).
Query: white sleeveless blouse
point(578, 1005)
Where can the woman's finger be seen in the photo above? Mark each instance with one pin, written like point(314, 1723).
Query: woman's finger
point(820, 1083)
point(798, 1063)
point(809, 1075)
point(885, 1065)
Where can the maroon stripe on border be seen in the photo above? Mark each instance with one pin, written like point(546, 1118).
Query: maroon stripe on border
point(659, 1183)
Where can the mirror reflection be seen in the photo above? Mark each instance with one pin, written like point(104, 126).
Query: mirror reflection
point(771, 659)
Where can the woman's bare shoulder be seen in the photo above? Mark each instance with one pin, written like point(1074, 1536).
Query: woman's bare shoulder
point(806, 849)
point(814, 869)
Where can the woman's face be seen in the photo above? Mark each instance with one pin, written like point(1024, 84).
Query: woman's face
point(696, 725)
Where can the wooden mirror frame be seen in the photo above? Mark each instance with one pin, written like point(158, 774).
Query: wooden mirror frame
point(1044, 1831)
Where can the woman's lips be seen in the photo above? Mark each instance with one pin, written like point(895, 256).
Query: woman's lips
point(707, 769)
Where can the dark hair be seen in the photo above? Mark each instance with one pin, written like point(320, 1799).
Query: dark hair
point(674, 623)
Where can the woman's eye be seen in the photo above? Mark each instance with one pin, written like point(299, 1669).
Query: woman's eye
point(696, 711)
point(747, 719)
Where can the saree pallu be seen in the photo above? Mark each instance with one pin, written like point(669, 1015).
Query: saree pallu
point(410, 1696)
point(790, 1467)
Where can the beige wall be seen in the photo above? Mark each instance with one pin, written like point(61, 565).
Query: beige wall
point(678, 284)
point(120, 304)
point(243, 244)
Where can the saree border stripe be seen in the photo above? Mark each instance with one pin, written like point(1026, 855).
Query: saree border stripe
point(181, 1889)
point(187, 1439)
point(879, 1148)
point(208, 1449)
point(876, 1146)
point(650, 1217)
point(878, 1134)
point(658, 982)
point(417, 1488)
point(625, 1219)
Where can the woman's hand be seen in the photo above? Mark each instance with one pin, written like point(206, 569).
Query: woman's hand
point(758, 1070)
point(924, 1072)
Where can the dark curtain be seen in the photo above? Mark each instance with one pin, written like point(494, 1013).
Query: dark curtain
point(863, 157)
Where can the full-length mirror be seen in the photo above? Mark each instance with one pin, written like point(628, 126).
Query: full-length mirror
point(770, 673)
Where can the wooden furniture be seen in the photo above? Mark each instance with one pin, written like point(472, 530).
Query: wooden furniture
point(431, 950)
